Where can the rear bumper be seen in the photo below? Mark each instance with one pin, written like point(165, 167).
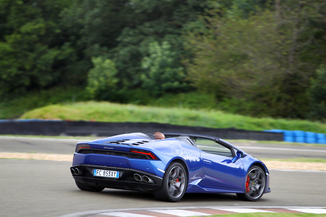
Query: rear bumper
point(126, 178)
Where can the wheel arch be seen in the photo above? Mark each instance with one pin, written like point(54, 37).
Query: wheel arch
point(264, 168)
point(163, 193)
point(183, 163)
point(259, 164)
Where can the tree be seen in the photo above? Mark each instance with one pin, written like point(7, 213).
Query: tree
point(318, 95)
point(261, 59)
point(163, 73)
point(154, 22)
point(101, 79)
point(30, 46)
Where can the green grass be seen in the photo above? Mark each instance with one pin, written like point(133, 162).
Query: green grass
point(271, 215)
point(113, 112)
point(14, 106)
point(189, 109)
point(192, 100)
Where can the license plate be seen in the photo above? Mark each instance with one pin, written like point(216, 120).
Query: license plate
point(106, 173)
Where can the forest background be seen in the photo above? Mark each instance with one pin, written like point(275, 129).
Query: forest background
point(259, 58)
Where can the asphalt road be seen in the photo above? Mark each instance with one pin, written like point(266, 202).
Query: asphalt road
point(46, 188)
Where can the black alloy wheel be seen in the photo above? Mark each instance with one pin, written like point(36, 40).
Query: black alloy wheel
point(174, 184)
point(254, 184)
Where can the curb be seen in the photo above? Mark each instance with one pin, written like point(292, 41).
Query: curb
point(197, 211)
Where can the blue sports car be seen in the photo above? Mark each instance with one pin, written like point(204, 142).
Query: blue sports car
point(170, 167)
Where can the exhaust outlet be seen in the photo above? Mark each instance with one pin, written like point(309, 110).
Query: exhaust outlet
point(147, 179)
point(72, 170)
point(137, 177)
point(77, 172)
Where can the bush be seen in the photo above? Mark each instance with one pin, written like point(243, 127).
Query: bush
point(244, 107)
point(318, 95)
point(191, 100)
point(101, 79)
point(15, 105)
point(162, 73)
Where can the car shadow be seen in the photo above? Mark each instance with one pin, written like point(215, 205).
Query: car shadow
point(128, 194)
point(213, 197)
point(227, 198)
point(190, 197)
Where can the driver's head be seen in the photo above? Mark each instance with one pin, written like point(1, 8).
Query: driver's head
point(159, 135)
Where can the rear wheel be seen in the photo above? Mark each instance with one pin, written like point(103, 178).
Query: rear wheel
point(85, 187)
point(254, 184)
point(174, 184)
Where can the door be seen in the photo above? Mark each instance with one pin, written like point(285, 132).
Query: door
point(220, 171)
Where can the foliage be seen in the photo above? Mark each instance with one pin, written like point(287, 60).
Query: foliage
point(92, 29)
point(318, 95)
point(256, 56)
point(110, 112)
point(160, 77)
point(262, 59)
point(152, 24)
point(126, 32)
point(15, 105)
point(29, 47)
point(101, 79)
point(190, 100)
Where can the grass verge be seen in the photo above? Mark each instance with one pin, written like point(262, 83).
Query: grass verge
point(14, 106)
point(113, 112)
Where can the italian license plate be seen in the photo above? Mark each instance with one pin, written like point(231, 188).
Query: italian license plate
point(106, 173)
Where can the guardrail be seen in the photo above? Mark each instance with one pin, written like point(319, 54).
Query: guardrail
point(86, 128)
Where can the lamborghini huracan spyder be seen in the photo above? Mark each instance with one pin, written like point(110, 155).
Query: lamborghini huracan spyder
point(171, 167)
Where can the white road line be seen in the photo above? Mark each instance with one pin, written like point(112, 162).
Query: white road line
point(281, 149)
point(125, 214)
point(179, 212)
point(314, 211)
point(242, 210)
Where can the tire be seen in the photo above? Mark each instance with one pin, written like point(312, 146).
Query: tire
point(174, 185)
point(254, 184)
point(85, 187)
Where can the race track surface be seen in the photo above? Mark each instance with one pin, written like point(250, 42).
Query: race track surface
point(46, 188)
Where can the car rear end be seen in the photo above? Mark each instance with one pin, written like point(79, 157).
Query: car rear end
point(117, 164)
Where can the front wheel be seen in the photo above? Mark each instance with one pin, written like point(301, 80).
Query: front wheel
point(85, 187)
point(174, 183)
point(254, 184)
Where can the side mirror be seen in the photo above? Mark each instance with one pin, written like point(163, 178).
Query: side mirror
point(239, 155)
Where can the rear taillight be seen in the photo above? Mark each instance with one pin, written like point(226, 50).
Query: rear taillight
point(149, 154)
point(82, 146)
